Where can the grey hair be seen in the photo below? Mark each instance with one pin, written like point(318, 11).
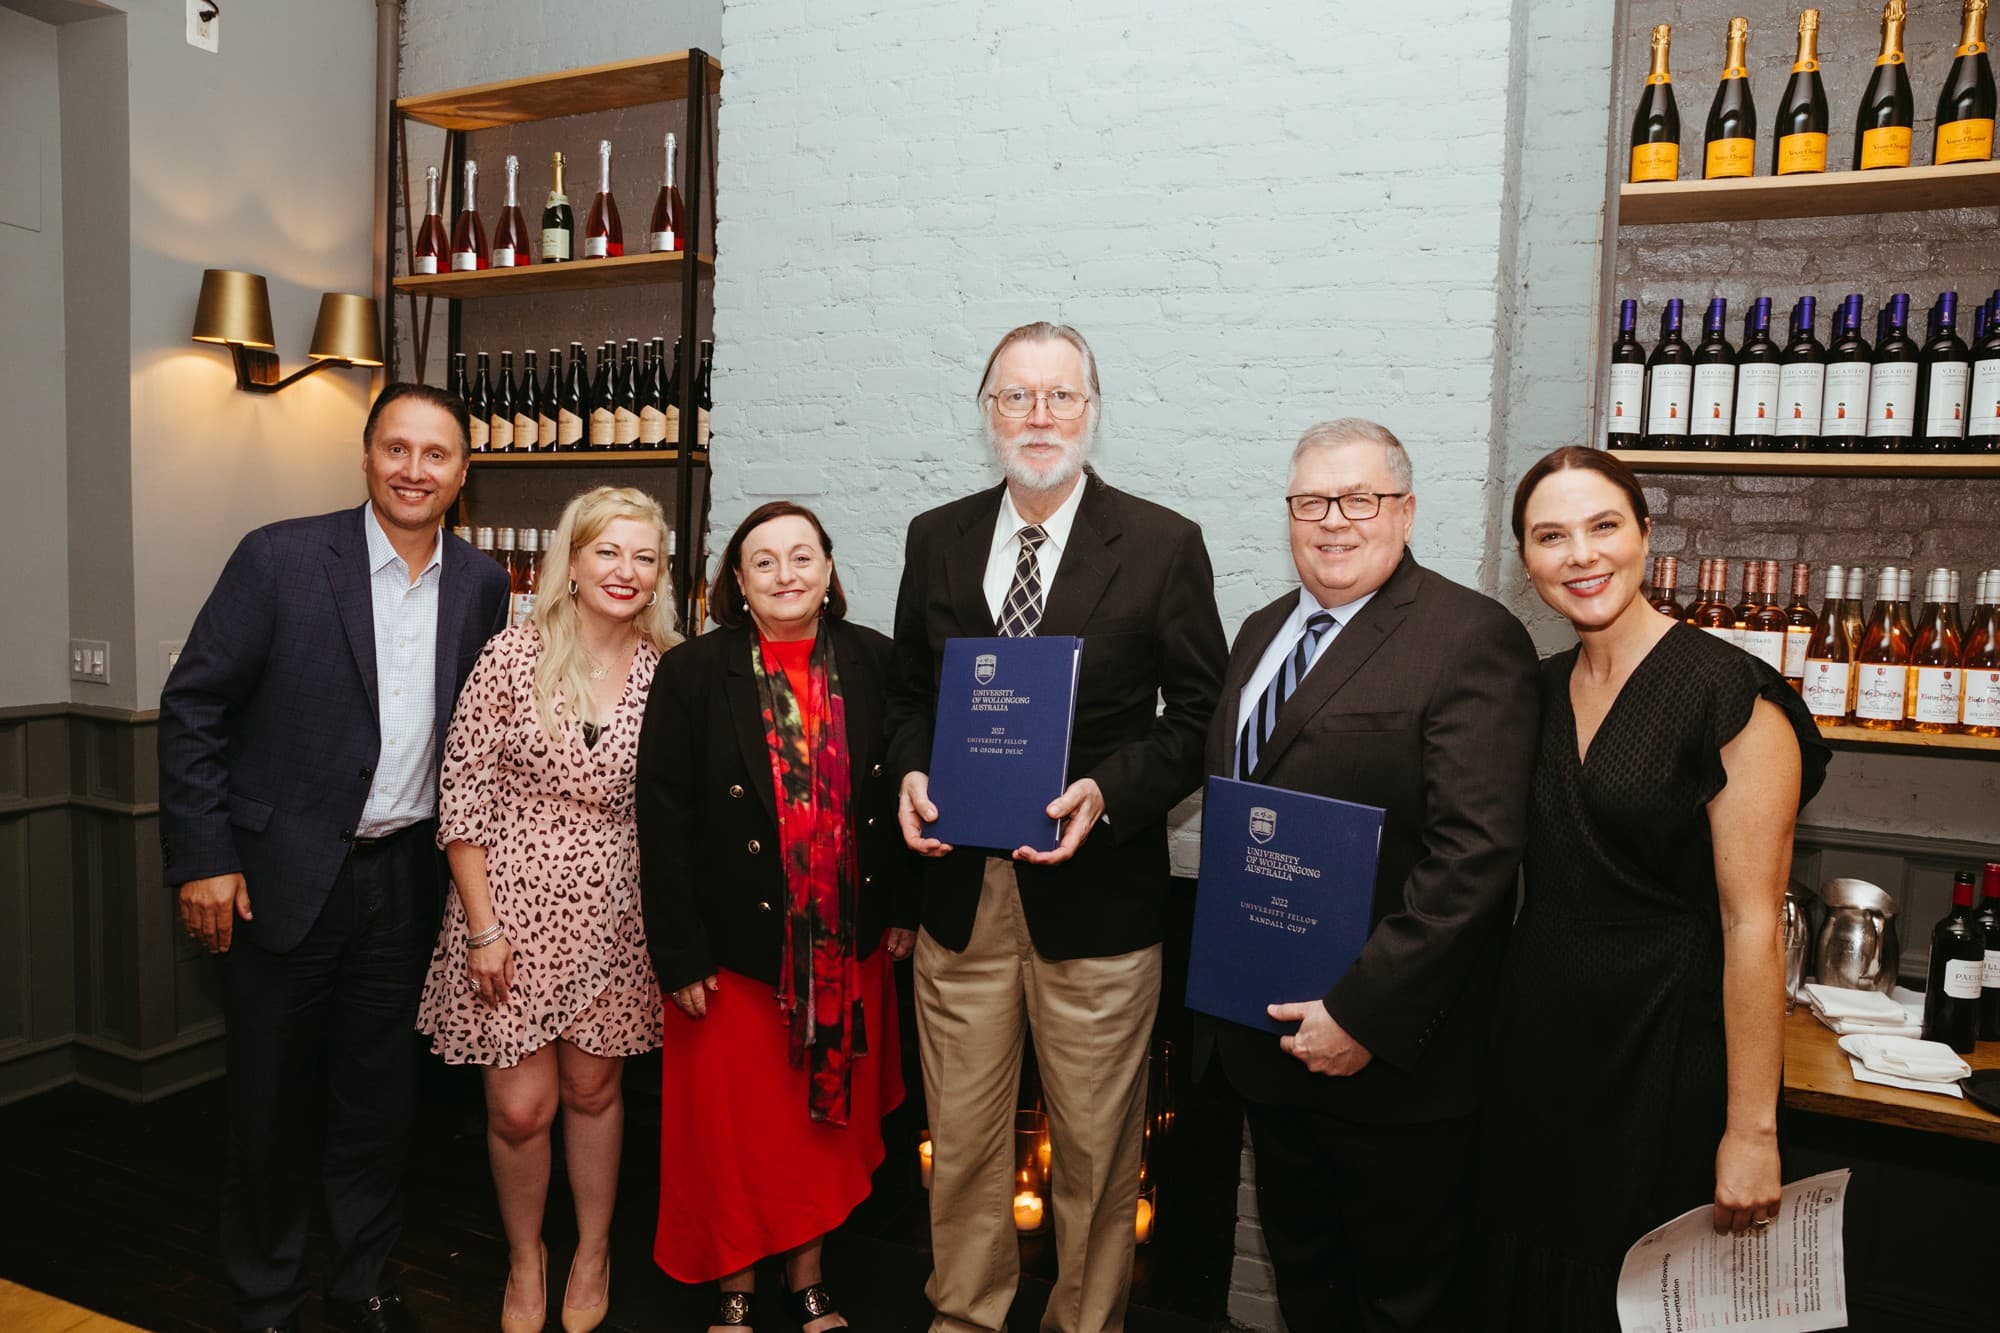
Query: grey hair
point(1357, 430)
point(1044, 331)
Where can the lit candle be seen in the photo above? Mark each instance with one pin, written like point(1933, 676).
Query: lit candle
point(1027, 1211)
point(924, 1161)
point(1043, 1150)
point(1143, 1225)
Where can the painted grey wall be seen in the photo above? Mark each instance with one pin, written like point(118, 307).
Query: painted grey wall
point(452, 43)
point(34, 604)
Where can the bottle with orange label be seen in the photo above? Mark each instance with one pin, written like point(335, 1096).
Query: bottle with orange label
point(1965, 107)
point(1731, 135)
point(1656, 126)
point(1798, 142)
point(1882, 123)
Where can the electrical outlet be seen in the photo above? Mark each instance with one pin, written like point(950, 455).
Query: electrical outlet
point(172, 649)
point(204, 33)
point(90, 659)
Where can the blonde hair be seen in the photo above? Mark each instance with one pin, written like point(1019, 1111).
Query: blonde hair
point(564, 669)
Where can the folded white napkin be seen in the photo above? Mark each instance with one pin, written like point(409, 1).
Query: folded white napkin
point(1905, 1057)
point(1844, 1026)
point(1863, 1074)
point(1839, 1002)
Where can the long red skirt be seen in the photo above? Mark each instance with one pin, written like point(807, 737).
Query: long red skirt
point(745, 1172)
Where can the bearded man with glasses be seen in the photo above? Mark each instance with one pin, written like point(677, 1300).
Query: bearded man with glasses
point(1062, 945)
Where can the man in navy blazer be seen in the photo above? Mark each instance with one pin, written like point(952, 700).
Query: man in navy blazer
point(299, 742)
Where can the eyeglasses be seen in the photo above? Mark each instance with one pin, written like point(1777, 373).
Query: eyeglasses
point(1063, 404)
point(1354, 505)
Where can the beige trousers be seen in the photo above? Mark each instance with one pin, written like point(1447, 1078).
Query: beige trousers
point(1092, 1020)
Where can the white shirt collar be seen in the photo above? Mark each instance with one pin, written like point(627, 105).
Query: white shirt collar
point(381, 552)
point(1057, 525)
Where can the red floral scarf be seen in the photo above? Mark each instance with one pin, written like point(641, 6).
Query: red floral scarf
point(819, 986)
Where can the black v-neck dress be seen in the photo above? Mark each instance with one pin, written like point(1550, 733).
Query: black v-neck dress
point(1607, 1092)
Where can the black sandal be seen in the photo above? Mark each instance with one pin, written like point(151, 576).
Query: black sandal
point(815, 1302)
point(733, 1309)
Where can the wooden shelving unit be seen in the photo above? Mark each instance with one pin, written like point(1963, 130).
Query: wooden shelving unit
point(587, 458)
point(1811, 465)
point(1830, 194)
point(570, 92)
point(581, 275)
point(1846, 736)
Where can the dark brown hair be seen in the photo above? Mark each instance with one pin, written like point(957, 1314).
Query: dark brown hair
point(725, 598)
point(1576, 456)
point(451, 403)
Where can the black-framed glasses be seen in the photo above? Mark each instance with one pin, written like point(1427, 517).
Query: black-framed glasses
point(1355, 505)
point(1064, 404)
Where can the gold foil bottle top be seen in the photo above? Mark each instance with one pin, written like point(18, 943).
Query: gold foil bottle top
point(1808, 21)
point(1896, 11)
point(1663, 35)
point(1739, 28)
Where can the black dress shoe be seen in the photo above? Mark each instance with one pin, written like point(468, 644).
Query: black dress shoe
point(377, 1314)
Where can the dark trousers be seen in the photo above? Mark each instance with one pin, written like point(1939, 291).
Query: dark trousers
point(1365, 1224)
point(322, 1038)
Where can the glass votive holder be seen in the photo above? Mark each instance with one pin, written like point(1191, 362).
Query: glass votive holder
point(1147, 1214)
point(1031, 1171)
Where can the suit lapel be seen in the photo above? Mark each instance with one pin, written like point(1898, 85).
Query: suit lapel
point(965, 569)
point(1252, 641)
point(455, 606)
point(1087, 563)
point(746, 716)
point(347, 570)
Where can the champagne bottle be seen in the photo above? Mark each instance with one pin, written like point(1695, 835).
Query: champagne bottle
point(603, 235)
point(1757, 374)
point(1799, 141)
point(500, 436)
point(1936, 675)
point(1882, 122)
point(1829, 656)
point(528, 406)
point(1800, 623)
point(652, 405)
point(1656, 126)
point(1944, 375)
point(1988, 921)
point(1958, 965)
point(1965, 106)
point(510, 234)
point(1982, 428)
point(429, 249)
point(468, 237)
point(604, 401)
point(1981, 662)
point(1669, 381)
point(558, 222)
point(1882, 663)
point(668, 226)
point(1801, 381)
point(1731, 134)
point(549, 427)
point(1843, 417)
point(673, 398)
point(1713, 419)
point(704, 400)
point(573, 408)
point(479, 407)
point(625, 399)
point(1625, 391)
point(1892, 383)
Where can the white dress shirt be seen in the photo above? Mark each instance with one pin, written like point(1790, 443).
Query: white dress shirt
point(1285, 641)
point(406, 622)
point(1007, 547)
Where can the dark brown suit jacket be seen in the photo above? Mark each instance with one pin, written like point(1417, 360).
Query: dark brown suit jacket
point(1135, 584)
point(1426, 704)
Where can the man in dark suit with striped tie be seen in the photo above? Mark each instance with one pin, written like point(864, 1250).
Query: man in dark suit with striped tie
point(299, 741)
point(1378, 681)
point(1065, 944)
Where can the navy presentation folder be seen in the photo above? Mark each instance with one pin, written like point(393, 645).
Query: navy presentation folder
point(1001, 749)
point(1281, 909)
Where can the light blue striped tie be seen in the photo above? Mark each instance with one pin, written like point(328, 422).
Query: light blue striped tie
point(1257, 731)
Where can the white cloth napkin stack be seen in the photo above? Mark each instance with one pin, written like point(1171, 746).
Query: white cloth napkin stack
point(1902, 1057)
point(1862, 1012)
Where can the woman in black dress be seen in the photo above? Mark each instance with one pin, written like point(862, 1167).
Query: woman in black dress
point(1640, 1032)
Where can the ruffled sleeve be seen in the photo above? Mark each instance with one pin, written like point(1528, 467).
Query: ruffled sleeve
point(1738, 682)
point(468, 783)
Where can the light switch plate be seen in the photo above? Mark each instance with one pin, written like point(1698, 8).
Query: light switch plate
point(204, 33)
point(90, 659)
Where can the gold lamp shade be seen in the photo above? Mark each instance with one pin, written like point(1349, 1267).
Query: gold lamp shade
point(346, 330)
point(235, 307)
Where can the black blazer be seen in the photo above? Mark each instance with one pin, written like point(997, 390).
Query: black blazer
point(710, 876)
point(270, 725)
point(1427, 704)
point(1135, 583)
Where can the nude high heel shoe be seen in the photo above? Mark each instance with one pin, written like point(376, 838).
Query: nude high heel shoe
point(517, 1323)
point(582, 1319)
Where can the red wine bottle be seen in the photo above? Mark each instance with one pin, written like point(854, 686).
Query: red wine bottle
point(1958, 965)
point(468, 237)
point(1892, 385)
point(604, 401)
point(1757, 380)
point(548, 428)
point(1713, 415)
point(1965, 108)
point(1843, 417)
point(1944, 376)
point(603, 235)
point(500, 409)
point(1982, 431)
point(1669, 381)
point(1626, 393)
point(1988, 920)
point(510, 234)
point(573, 405)
point(479, 407)
point(528, 405)
point(1882, 123)
point(558, 222)
point(1801, 381)
point(668, 226)
point(429, 250)
point(625, 398)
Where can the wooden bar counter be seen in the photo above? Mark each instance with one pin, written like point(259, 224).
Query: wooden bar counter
point(1819, 1079)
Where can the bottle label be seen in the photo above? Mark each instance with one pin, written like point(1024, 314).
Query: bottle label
point(1944, 409)
point(1801, 152)
point(524, 431)
point(701, 428)
point(1824, 688)
point(1844, 407)
point(464, 261)
point(521, 609)
point(603, 428)
point(1667, 403)
point(1766, 645)
point(662, 241)
point(1962, 977)
point(1714, 407)
point(476, 434)
point(673, 423)
point(545, 430)
point(569, 428)
point(1892, 400)
point(500, 433)
point(503, 256)
point(624, 427)
point(1937, 694)
point(652, 427)
point(1757, 399)
point(555, 243)
point(1989, 971)
point(1983, 412)
point(1796, 639)
point(1624, 395)
point(1656, 162)
point(1801, 389)
point(1879, 694)
point(425, 264)
point(1965, 141)
point(1726, 633)
point(596, 247)
point(1731, 157)
point(1888, 146)
point(1982, 698)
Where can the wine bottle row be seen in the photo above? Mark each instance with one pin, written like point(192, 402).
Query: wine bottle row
point(1907, 666)
point(466, 249)
point(1844, 396)
point(1962, 992)
point(633, 402)
point(519, 551)
point(1882, 122)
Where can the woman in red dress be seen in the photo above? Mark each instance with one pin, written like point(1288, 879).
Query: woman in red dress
point(776, 891)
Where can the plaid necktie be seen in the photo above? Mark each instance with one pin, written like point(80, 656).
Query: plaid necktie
point(1022, 609)
point(1257, 731)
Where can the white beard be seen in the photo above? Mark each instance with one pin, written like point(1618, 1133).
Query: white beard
point(1017, 469)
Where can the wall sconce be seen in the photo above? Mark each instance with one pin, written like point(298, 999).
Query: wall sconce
point(235, 309)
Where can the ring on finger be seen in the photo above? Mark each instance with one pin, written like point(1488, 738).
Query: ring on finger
point(1762, 1221)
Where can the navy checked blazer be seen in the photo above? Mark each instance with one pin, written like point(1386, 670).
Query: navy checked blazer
point(269, 723)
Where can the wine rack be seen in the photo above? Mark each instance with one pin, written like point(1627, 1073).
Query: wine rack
point(1847, 736)
point(1823, 195)
point(1810, 464)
